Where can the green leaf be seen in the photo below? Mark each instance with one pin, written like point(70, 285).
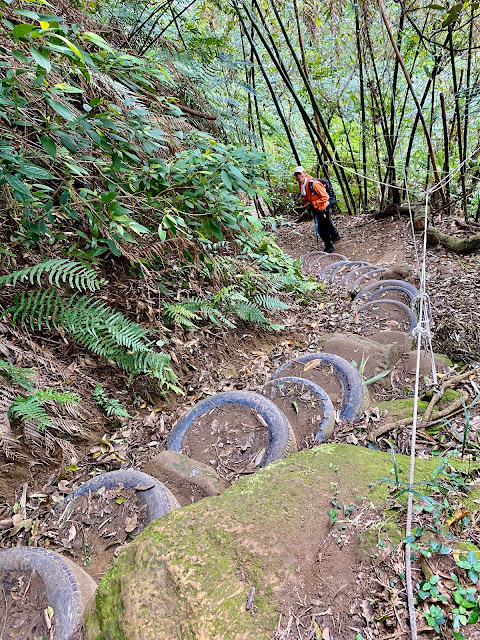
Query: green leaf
point(17, 184)
point(49, 146)
point(28, 14)
point(98, 40)
point(66, 88)
point(32, 171)
point(108, 196)
point(226, 179)
point(21, 30)
point(60, 108)
point(41, 59)
point(162, 234)
point(113, 247)
point(70, 45)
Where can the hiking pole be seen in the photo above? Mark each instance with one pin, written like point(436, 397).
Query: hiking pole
point(316, 228)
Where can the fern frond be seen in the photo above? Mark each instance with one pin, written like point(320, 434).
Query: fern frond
point(17, 375)
point(29, 409)
point(180, 314)
point(76, 274)
point(269, 302)
point(111, 405)
point(250, 312)
point(96, 326)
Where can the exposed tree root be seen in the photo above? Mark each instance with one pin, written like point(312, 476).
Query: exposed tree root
point(425, 419)
point(458, 245)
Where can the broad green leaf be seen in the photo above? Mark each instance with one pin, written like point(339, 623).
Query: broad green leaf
point(226, 179)
point(41, 59)
point(17, 184)
point(113, 247)
point(66, 88)
point(60, 108)
point(32, 171)
point(162, 234)
point(98, 40)
point(28, 14)
point(108, 196)
point(70, 45)
point(49, 146)
point(68, 142)
point(21, 30)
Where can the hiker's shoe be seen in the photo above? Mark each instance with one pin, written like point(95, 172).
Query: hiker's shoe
point(329, 248)
point(336, 237)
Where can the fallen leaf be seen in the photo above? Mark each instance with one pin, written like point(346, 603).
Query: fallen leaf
point(312, 365)
point(72, 533)
point(131, 523)
point(141, 487)
point(458, 515)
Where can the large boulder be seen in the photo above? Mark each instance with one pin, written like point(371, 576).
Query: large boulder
point(373, 356)
point(188, 575)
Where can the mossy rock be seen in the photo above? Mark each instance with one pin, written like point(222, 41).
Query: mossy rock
point(401, 408)
point(188, 575)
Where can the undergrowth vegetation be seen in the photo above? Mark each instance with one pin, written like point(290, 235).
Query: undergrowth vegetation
point(102, 173)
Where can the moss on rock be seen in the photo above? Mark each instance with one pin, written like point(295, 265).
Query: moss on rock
point(188, 575)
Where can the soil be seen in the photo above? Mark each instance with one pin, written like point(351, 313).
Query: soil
point(323, 374)
point(185, 492)
point(302, 408)
point(23, 604)
point(94, 527)
point(231, 438)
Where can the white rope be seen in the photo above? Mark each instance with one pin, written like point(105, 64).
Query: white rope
point(411, 219)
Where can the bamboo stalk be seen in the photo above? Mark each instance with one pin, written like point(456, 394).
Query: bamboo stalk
point(269, 85)
point(414, 95)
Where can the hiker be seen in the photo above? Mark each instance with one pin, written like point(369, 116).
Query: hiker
point(319, 197)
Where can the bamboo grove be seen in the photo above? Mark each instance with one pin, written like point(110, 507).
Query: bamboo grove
point(370, 93)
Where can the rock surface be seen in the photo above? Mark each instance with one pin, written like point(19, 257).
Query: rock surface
point(172, 465)
point(189, 574)
point(376, 357)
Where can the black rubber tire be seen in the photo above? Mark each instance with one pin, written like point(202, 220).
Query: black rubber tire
point(335, 265)
point(355, 273)
point(355, 392)
point(358, 283)
point(158, 498)
point(326, 425)
point(281, 439)
point(350, 263)
point(393, 287)
point(68, 588)
point(384, 283)
point(411, 316)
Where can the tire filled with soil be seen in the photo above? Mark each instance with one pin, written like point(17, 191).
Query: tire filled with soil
point(24, 610)
point(307, 407)
point(232, 438)
point(94, 527)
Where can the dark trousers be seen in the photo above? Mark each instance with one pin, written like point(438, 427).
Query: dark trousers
point(326, 230)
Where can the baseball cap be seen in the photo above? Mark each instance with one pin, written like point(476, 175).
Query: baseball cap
point(299, 170)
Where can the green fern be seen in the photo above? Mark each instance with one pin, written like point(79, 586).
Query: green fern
point(17, 375)
point(78, 275)
point(269, 302)
point(180, 314)
point(97, 327)
point(30, 409)
point(111, 406)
